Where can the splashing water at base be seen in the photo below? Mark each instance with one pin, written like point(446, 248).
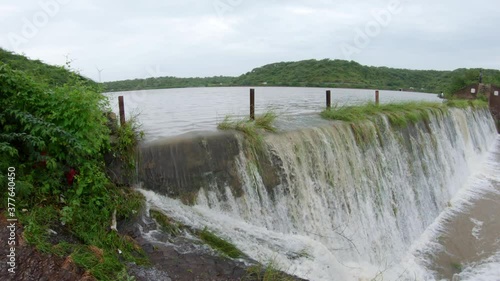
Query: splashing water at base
point(348, 209)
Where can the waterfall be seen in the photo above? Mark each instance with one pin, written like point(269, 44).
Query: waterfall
point(346, 201)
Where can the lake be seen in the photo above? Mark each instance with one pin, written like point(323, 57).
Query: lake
point(170, 112)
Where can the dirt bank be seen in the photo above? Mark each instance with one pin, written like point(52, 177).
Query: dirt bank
point(32, 264)
point(180, 260)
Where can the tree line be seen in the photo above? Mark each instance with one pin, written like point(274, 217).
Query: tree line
point(325, 73)
point(307, 73)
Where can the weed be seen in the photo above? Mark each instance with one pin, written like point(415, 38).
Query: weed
point(252, 129)
point(457, 267)
point(37, 224)
point(461, 103)
point(129, 204)
point(398, 114)
point(269, 272)
point(166, 224)
point(219, 244)
point(128, 136)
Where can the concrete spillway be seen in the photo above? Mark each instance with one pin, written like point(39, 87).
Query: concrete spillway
point(332, 202)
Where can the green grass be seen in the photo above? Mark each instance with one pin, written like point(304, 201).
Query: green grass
point(461, 103)
point(220, 244)
point(399, 114)
point(166, 224)
point(457, 267)
point(93, 247)
point(269, 272)
point(37, 224)
point(252, 129)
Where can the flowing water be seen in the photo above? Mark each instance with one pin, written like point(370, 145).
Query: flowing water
point(391, 205)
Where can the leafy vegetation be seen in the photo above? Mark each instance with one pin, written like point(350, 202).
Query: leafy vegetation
point(326, 73)
point(55, 134)
point(41, 72)
point(220, 244)
point(124, 144)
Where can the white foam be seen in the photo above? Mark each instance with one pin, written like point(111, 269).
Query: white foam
point(477, 186)
point(476, 230)
point(486, 270)
point(322, 231)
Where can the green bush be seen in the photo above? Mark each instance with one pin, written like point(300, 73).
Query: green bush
point(56, 138)
point(48, 131)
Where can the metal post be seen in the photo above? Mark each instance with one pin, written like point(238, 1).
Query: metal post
point(122, 110)
point(328, 99)
point(252, 104)
point(377, 98)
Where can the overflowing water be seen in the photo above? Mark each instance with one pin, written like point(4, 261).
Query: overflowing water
point(370, 203)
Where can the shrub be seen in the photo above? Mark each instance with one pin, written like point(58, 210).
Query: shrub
point(56, 137)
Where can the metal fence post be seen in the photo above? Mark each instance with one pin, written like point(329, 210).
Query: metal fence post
point(122, 110)
point(252, 104)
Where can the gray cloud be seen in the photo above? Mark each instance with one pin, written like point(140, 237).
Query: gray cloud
point(230, 37)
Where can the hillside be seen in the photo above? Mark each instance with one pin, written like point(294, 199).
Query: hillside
point(41, 72)
point(350, 74)
point(325, 73)
point(167, 82)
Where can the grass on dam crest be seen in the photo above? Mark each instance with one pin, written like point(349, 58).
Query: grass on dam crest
point(399, 114)
point(251, 128)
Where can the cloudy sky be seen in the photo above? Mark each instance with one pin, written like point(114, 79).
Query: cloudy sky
point(186, 38)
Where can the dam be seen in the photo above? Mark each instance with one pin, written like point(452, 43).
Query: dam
point(329, 200)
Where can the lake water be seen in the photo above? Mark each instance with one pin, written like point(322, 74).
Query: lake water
point(170, 112)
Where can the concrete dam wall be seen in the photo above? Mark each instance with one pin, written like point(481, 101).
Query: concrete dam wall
point(337, 200)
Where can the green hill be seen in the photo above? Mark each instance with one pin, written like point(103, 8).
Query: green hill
point(325, 73)
point(167, 82)
point(350, 74)
point(41, 72)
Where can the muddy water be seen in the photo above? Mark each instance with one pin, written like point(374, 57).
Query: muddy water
point(472, 237)
point(468, 246)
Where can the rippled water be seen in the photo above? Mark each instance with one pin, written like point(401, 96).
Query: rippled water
point(170, 112)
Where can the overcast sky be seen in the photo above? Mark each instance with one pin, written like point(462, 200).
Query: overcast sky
point(137, 39)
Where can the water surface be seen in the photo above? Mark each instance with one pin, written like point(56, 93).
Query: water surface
point(170, 112)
